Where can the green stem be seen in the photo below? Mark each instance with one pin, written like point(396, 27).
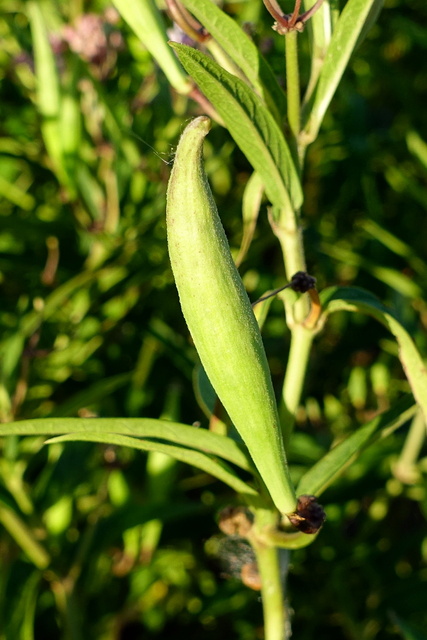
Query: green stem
point(299, 353)
point(272, 595)
point(285, 224)
point(406, 467)
point(11, 475)
point(288, 231)
point(273, 603)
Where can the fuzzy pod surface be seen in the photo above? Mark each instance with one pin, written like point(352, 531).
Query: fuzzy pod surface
point(219, 315)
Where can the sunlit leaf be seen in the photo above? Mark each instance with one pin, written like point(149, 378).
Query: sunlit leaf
point(144, 18)
point(242, 51)
point(346, 35)
point(251, 125)
point(23, 535)
point(324, 472)
point(20, 622)
point(361, 301)
point(392, 277)
point(252, 198)
point(211, 466)
point(139, 428)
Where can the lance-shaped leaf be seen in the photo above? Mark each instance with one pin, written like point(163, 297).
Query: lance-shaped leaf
point(23, 535)
point(252, 198)
point(242, 51)
point(250, 123)
point(319, 29)
point(361, 301)
point(180, 434)
point(324, 472)
point(219, 315)
point(351, 24)
point(48, 90)
point(210, 465)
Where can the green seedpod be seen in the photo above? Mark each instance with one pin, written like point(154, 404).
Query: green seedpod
point(219, 315)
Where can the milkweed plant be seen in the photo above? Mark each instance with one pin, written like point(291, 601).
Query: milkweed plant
point(273, 121)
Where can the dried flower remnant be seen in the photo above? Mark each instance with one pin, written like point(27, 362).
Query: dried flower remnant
point(250, 576)
point(301, 282)
point(235, 521)
point(309, 515)
point(235, 559)
point(285, 23)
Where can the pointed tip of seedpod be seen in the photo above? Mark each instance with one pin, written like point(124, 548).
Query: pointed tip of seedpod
point(201, 122)
point(191, 139)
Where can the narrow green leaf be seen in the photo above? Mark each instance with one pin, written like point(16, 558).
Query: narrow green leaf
point(181, 434)
point(15, 194)
point(48, 90)
point(23, 536)
point(320, 29)
point(346, 35)
point(32, 320)
point(11, 349)
point(360, 301)
point(194, 458)
point(320, 32)
point(144, 18)
point(92, 393)
point(242, 51)
point(397, 246)
point(20, 621)
point(392, 277)
point(70, 123)
point(417, 146)
point(262, 308)
point(373, 14)
point(322, 474)
point(252, 198)
point(401, 180)
point(251, 125)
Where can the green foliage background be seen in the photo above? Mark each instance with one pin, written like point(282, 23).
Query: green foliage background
point(106, 543)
